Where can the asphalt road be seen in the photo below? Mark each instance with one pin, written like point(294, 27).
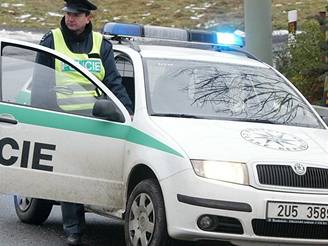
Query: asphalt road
point(100, 231)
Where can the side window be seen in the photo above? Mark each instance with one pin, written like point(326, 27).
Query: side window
point(29, 78)
point(16, 73)
point(125, 68)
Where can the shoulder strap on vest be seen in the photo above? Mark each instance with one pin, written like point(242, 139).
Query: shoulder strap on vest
point(59, 41)
point(97, 39)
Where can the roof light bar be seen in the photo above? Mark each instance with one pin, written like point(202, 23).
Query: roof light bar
point(229, 39)
point(166, 33)
point(123, 29)
point(202, 36)
point(175, 34)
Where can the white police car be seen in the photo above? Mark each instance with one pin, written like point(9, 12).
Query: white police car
point(221, 145)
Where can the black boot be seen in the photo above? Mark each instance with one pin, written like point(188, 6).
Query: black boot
point(74, 239)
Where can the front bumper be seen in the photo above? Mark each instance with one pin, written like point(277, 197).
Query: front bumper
point(187, 197)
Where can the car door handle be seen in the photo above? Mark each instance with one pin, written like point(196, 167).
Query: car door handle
point(8, 118)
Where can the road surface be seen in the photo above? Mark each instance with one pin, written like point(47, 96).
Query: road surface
point(100, 231)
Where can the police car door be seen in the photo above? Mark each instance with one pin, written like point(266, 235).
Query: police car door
point(52, 145)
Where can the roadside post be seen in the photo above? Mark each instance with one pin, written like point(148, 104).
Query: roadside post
point(292, 26)
point(258, 28)
point(324, 58)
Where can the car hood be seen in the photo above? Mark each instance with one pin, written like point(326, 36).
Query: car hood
point(245, 141)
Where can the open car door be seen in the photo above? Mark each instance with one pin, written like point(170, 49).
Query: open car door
point(51, 146)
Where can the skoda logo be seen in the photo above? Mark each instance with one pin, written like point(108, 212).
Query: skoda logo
point(299, 169)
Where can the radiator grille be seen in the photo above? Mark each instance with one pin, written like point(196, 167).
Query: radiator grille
point(290, 230)
point(284, 175)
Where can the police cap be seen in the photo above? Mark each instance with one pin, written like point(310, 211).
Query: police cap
point(78, 6)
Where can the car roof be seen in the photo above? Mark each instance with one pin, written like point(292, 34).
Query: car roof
point(183, 53)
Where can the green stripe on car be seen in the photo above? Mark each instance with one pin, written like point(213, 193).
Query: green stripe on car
point(75, 123)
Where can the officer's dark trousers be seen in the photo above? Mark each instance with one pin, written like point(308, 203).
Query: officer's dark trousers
point(73, 218)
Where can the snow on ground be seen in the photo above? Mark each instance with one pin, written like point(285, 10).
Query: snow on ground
point(55, 14)
point(21, 35)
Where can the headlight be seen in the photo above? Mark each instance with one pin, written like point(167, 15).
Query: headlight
point(234, 172)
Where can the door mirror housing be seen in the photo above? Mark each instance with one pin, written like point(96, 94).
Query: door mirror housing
point(106, 109)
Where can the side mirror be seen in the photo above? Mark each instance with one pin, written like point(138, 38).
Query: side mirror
point(107, 110)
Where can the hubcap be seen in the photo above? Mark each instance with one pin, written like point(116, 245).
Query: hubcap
point(24, 202)
point(141, 220)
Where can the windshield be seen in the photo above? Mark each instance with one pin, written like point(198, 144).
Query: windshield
point(208, 90)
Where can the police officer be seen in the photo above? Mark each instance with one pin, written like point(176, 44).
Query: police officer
point(75, 38)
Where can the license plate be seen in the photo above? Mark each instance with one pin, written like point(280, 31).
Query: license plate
point(293, 212)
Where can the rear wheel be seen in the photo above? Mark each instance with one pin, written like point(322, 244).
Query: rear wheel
point(145, 221)
point(31, 210)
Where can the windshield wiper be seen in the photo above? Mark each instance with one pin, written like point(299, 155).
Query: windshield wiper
point(254, 120)
point(177, 115)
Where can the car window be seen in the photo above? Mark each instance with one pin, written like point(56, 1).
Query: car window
point(224, 91)
point(29, 77)
point(125, 68)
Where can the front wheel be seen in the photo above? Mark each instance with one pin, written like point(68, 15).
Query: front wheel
point(31, 210)
point(145, 221)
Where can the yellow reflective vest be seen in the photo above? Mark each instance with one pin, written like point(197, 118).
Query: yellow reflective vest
point(75, 92)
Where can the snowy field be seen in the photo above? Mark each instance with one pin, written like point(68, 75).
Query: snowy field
point(21, 35)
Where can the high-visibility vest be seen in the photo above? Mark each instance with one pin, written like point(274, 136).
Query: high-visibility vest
point(75, 92)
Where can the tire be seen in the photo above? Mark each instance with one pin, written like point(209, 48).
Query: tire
point(142, 227)
point(31, 210)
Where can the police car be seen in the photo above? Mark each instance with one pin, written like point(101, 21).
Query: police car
point(221, 145)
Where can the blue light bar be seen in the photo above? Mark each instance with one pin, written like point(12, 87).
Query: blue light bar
point(123, 29)
point(175, 34)
point(229, 39)
point(202, 36)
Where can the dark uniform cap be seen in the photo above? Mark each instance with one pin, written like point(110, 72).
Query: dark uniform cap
point(78, 6)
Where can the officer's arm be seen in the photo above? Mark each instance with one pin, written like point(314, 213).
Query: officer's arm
point(113, 79)
point(47, 41)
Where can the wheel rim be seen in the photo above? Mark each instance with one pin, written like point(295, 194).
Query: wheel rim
point(141, 220)
point(24, 203)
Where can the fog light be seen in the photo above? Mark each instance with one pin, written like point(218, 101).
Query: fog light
point(206, 222)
